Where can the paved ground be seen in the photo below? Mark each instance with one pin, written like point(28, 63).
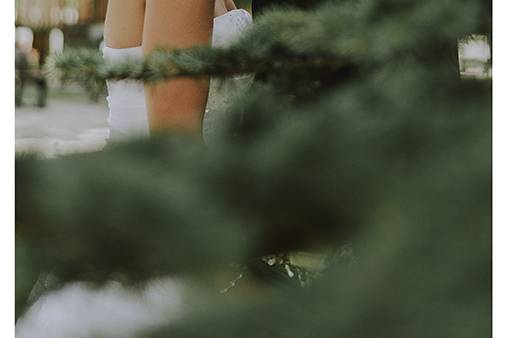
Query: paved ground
point(70, 123)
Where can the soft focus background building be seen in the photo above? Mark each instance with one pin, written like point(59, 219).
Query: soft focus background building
point(49, 25)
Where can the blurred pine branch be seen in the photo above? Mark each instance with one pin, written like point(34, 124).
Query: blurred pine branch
point(358, 130)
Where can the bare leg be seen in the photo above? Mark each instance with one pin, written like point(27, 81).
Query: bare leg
point(177, 104)
point(124, 23)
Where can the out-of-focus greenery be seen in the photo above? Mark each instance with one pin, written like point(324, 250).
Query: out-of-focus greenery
point(243, 3)
point(358, 130)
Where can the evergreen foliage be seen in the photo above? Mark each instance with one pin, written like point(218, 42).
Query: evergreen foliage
point(358, 130)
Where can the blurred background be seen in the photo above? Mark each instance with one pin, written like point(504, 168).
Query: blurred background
point(53, 117)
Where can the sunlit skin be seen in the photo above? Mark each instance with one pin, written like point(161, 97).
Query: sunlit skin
point(176, 105)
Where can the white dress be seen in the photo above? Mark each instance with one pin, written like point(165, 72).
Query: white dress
point(128, 115)
point(80, 311)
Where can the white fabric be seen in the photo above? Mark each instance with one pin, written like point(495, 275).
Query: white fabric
point(128, 115)
point(81, 311)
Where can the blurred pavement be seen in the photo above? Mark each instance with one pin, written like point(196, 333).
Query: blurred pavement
point(68, 124)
